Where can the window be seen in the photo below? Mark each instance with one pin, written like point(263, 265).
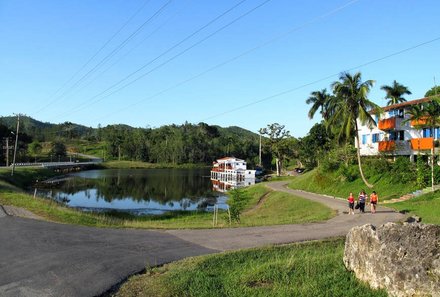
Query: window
point(376, 137)
point(397, 135)
point(364, 139)
point(437, 133)
point(426, 132)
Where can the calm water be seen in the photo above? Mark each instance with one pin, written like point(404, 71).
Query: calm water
point(140, 191)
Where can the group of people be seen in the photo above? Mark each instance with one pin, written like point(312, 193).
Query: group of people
point(360, 204)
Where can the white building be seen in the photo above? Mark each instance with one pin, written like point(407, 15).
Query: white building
point(394, 133)
point(230, 173)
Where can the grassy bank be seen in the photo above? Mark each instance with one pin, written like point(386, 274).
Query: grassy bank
point(277, 208)
point(305, 269)
point(332, 184)
point(426, 206)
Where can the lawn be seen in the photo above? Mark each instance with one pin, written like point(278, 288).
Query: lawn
point(332, 184)
point(426, 206)
point(304, 269)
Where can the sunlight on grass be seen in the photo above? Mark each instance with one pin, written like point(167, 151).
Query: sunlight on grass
point(306, 269)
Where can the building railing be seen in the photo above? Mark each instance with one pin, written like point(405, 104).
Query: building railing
point(425, 143)
point(387, 146)
point(387, 124)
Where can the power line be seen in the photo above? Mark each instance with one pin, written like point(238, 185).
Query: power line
point(88, 103)
point(261, 45)
point(131, 50)
point(320, 80)
point(91, 58)
point(117, 49)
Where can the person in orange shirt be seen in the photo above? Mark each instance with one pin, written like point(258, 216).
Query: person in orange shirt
point(373, 201)
point(350, 204)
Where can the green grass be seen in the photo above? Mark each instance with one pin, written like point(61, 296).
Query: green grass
point(306, 269)
point(332, 184)
point(278, 208)
point(426, 206)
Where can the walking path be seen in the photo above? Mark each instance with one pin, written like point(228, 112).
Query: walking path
point(39, 258)
point(237, 238)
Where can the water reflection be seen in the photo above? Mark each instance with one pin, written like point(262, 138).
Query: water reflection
point(223, 186)
point(141, 191)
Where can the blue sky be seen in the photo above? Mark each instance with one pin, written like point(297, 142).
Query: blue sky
point(255, 65)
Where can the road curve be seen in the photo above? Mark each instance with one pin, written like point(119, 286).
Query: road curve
point(39, 258)
point(237, 238)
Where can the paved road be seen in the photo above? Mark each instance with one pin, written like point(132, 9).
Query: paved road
point(236, 238)
point(38, 258)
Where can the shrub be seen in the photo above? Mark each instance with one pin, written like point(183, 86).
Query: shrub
point(423, 172)
point(403, 171)
point(376, 166)
point(237, 202)
point(348, 173)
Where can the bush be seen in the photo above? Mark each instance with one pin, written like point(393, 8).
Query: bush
point(376, 166)
point(423, 172)
point(403, 171)
point(237, 202)
point(348, 173)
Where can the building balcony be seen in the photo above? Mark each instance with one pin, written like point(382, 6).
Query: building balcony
point(387, 146)
point(419, 122)
point(422, 143)
point(387, 124)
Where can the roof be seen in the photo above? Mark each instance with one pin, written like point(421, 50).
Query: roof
point(407, 103)
point(230, 158)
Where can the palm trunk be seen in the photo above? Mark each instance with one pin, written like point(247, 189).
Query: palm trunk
point(358, 153)
point(277, 162)
point(432, 162)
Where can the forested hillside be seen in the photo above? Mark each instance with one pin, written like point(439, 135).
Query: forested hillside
point(175, 144)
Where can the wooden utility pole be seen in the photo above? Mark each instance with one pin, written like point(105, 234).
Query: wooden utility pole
point(259, 153)
point(16, 143)
point(6, 148)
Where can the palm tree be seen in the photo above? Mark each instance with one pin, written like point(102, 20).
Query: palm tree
point(352, 104)
point(395, 93)
point(319, 100)
point(429, 113)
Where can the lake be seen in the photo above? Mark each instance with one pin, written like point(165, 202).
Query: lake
point(138, 191)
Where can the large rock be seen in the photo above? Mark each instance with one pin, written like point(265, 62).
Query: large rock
point(404, 258)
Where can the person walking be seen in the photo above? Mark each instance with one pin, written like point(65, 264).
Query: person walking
point(351, 204)
point(361, 200)
point(373, 201)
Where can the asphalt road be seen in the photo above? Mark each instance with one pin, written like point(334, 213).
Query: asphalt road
point(39, 258)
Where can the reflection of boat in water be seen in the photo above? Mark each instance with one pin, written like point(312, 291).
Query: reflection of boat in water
point(231, 173)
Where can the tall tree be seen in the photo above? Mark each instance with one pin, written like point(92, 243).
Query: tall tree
point(276, 134)
point(395, 92)
point(319, 100)
point(352, 104)
point(427, 115)
point(434, 91)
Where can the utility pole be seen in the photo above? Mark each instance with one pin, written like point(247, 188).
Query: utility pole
point(16, 143)
point(259, 153)
point(6, 148)
point(7, 151)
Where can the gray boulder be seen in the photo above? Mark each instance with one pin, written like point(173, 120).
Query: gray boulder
point(404, 258)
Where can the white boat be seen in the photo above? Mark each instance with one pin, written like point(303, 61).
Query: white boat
point(231, 173)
